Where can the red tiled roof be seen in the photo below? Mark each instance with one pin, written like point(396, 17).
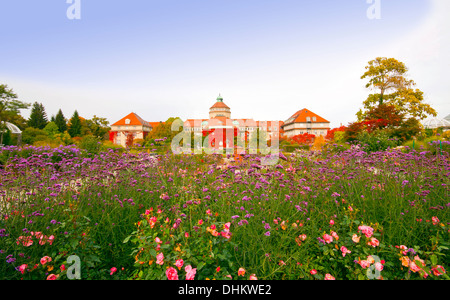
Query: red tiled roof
point(154, 124)
point(301, 115)
point(135, 120)
point(219, 104)
point(194, 122)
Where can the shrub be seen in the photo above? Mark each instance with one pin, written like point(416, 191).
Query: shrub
point(378, 140)
point(32, 135)
point(91, 144)
point(197, 245)
point(446, 135)
point(438, 146)
point(414, 145)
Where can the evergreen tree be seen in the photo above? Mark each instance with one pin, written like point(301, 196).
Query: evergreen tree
point(38, 117)
point(60, 121)
point(74, 127)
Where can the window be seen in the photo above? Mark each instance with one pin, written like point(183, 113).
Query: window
point(308, 119)
point(127, 121)
point(314, 119)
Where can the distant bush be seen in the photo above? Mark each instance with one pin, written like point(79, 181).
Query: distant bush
point(438, 147)
point(32, 135)
point(446, 135)
point(378, 140)
point(91, 144)
point(414, 145)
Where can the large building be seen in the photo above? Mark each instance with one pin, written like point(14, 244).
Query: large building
point(304, 121)
point(220, 119)
point(131, 125)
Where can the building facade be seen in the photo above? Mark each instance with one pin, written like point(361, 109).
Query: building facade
point(231, 130)
point(305, 121)
point(242, 129)
point(130, 128)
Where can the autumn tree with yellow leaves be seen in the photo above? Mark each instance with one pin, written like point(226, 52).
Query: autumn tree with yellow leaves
point(388, 78)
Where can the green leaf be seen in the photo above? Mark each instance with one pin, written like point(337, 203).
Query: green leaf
point(126, 239)
point(74, 244)
point(152, 252)
point(200, 266)
point(419, 264)
point(433, 260)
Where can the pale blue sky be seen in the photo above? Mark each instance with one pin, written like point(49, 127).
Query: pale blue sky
point(268, 59)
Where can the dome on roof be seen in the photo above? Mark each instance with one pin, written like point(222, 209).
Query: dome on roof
point(433, 123)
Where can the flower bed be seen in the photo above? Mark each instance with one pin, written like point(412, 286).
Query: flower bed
point(345, 214)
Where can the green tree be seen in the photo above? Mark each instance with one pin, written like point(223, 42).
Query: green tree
point(164, 130)
point(98, 127)
point(388, 77)
point(51, 129)
point(258, 139)
point(9, 103)
point(75, 126)
point(60, 121)
point(18, 120)
point(10, 108)
point(38, 117)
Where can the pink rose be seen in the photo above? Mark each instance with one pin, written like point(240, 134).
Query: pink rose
point(179, 263)
point(334, 234)
point(227, 226)
point(113, 270)
point(190, 272)
point(438, 270)
point(253, 277)
point(160, 259)
point(45, 259)
point(22, 268)
point(328, 238)
point(356, 238)
point(313, 272)
point(373, 242)
point(172, 274)
point(52, 277)
point(379, 266)
point(344, 251)
point(37, 234)
point(364, 264)
point(366, 230)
